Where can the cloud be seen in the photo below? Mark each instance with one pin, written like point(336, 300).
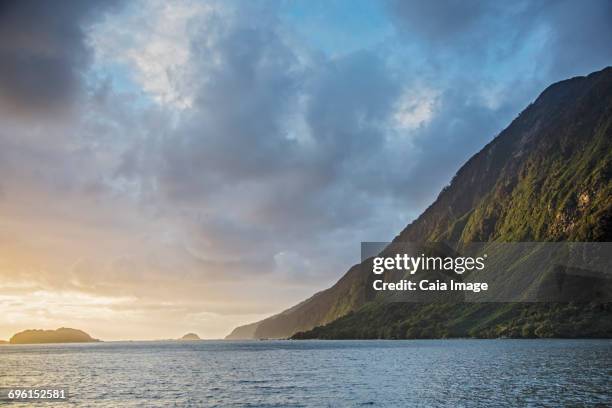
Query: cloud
point(579, 36)
point(153, 39)
point(442, 21)
point(563, 38)
point(269, 123)
point(43, 52)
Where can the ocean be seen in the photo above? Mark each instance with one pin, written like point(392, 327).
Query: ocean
point(445, 373)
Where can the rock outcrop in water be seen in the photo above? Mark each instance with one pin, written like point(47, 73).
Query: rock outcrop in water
point(547, 177)
point(190, 336)
point(61, 335)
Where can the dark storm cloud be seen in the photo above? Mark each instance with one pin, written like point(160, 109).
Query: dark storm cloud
point(43, 52)
point(284, 142)
point(441, 20)
point(281, 131)
point(244, 82)
point(574, 35)
point(581, 36)
point(349, 99)
point(264, 160)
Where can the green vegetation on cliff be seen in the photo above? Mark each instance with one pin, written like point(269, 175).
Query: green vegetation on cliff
point(481, 320)
point(547, 177)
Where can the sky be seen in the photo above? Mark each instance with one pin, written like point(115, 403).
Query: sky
point(190, 166)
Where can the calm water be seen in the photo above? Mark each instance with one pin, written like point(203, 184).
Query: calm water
point(319, 373)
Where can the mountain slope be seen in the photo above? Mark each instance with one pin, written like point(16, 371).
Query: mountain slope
point(544, 178)
point(326, 306)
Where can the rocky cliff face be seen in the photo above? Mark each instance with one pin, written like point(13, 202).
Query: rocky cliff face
point(547, 177)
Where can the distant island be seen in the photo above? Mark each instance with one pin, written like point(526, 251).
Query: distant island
point(3, 342)
point(190, 336)
point(61, 335)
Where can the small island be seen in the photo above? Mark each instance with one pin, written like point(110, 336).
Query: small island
point(190, 336)
point(61, 335)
